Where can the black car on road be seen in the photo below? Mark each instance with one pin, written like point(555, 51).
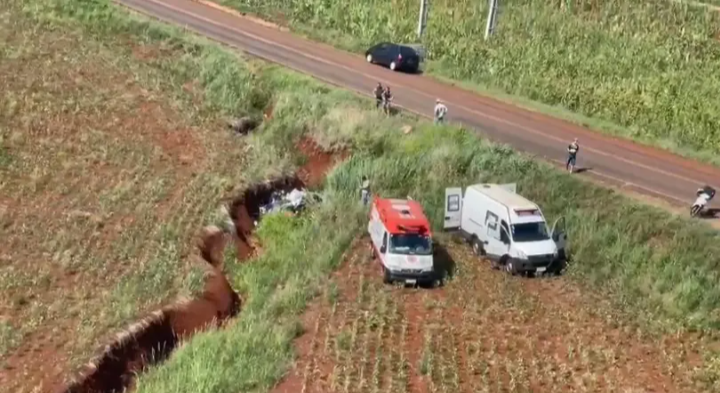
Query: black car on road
point(395, 56)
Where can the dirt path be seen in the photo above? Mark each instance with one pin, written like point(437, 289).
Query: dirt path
point(483, 332)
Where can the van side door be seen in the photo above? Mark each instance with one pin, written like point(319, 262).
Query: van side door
point(493, 245)
point(504, 237)
point(558, 233)
point(453, 208)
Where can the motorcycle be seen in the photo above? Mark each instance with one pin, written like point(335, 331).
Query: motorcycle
point(704, 195)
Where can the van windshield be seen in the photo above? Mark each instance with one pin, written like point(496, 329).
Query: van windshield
point(530, 232)
point(410, 245)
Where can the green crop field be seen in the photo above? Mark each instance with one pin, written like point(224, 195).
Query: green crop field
point(711, 4)
point(110, 164)
point(643, 69)
point(638, 274)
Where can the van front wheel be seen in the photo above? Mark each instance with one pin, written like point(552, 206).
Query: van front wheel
point(510, 267)
point(477, 247)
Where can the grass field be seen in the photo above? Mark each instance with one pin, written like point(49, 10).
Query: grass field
point(644, 70)
point(127, 130)
point(111, 164)
point(482, 332)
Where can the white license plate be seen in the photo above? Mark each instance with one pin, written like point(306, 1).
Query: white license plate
point(413, 282)
point(541, 269)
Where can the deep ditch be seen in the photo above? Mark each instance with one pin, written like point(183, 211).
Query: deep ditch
point(153, 338)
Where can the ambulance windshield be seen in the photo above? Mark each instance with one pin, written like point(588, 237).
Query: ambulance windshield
point(410, 244)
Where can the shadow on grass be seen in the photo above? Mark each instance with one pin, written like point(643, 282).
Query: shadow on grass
point(443, 263)
point(583, 169)
point(444, 266)
point(709, 214)
point(391, 112)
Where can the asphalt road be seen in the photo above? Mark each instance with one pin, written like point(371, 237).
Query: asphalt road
point(619, 162)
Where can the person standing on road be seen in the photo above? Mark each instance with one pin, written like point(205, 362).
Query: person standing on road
point(440, 111)
point(378, 92)
point(365, 190)
point(572, 149)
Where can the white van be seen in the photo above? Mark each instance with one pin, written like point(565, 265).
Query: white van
point(506, 228)
point(401, 240)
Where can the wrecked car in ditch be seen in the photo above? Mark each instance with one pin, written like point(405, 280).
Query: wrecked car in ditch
point(293, 201)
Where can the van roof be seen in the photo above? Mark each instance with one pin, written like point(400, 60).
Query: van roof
point(510, 199)
point(402, 216)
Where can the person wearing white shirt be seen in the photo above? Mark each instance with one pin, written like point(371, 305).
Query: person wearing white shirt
point(572, 149)
point(365, 191)
point(440, 111)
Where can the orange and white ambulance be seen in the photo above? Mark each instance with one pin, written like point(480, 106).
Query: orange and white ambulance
point(401, 240)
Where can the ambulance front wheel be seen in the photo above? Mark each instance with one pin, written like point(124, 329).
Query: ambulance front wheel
point(386, 276)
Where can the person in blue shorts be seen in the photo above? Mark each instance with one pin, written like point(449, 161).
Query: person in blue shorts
point(572, 149)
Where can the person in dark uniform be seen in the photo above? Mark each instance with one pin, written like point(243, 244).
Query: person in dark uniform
point(387, 99)
point(378, 92)
point(365, 190)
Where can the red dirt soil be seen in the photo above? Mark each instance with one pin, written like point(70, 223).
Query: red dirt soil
point(152, 339)
point(314, 366)
point(483, 331)
point(318, 162)
point(245, 210)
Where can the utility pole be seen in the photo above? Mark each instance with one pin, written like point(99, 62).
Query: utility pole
point(492, 19)
point(422, 21)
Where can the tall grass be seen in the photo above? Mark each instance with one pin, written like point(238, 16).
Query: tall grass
point(650, 67)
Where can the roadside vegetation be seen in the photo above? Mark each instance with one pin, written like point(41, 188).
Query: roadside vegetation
point(123, 95)
point(644, 70)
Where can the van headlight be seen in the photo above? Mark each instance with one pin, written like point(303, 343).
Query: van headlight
point(555, 253)
point(520, 254)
